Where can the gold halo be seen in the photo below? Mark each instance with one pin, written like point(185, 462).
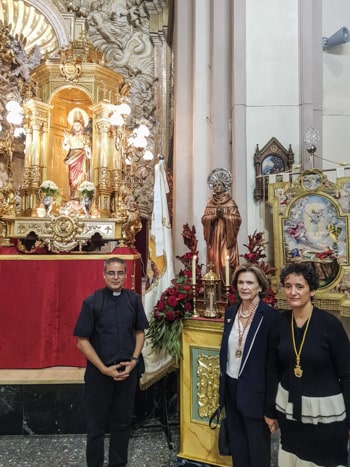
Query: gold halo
point(83, 113)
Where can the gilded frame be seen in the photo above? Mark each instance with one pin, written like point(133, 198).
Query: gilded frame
point(314, 230)
point(311, 218)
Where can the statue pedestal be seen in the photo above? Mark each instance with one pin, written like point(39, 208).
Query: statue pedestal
point(199, 391)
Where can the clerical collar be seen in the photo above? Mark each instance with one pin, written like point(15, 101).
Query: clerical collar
point(116, 294)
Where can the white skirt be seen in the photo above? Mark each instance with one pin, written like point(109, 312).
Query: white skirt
point(287, 459)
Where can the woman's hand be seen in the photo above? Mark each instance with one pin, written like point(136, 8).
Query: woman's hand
point(272, 423)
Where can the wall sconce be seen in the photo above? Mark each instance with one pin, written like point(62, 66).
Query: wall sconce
point(133, 155)
point(14, 117)
point(340, 37)
point(137, 138)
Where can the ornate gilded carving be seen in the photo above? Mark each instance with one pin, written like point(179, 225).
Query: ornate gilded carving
point(64, 228)
point(311, 224)
point(118, 34)
point(71, 70)
point(133, 222)
point(8, 200)
point(208, 374)
point(63, 233)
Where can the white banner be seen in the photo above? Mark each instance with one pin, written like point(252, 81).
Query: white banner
point(160, 272)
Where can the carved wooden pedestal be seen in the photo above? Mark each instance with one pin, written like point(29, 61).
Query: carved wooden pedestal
point(199, 391)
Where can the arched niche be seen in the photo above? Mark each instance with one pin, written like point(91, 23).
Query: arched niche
point(62, 102)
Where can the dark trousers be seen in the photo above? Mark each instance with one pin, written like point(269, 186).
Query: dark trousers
point(249, 437)
point(108, 402)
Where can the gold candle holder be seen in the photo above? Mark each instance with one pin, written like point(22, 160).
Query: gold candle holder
point(227, 291)
point(194, 295)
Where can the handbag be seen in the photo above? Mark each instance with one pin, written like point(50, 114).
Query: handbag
point(223, 438)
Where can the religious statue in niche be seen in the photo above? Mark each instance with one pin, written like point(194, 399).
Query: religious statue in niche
point(78, 145)
point(221, 222)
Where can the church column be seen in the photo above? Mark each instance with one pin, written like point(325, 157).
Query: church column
point(36, 126)
point(202, 87)
point(102, 155)
point(311, 77)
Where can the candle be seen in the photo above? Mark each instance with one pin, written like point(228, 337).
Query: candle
point(227, 270)
point(194, 269)
point(211, 301)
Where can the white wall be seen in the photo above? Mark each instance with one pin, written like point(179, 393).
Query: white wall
point(270, 53)
point(336, 86)
point(272, 95)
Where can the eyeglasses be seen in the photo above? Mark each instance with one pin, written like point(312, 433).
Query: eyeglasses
point(115, 273)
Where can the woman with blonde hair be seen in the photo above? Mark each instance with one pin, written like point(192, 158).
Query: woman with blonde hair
point(242, 368)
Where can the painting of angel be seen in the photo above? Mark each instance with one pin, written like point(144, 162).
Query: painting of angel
point(315, 231)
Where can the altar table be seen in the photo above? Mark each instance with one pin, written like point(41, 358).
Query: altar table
point(40, 299)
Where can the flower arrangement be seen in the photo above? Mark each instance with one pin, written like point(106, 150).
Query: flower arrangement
point(175, 304)
point(87, 189)
point(49, 188)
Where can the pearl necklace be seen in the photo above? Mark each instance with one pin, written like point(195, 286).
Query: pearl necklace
point(242, 327)
point(242, 315)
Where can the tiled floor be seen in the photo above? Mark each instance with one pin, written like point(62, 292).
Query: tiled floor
point(148, 448)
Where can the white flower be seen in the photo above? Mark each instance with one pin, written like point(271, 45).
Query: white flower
point(48, 185)
point(49, 188)
point(87, 189)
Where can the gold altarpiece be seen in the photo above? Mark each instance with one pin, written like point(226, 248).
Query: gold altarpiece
point(81, 81)
point(311, 217)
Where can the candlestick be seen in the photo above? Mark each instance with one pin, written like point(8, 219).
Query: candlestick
point(227, 270)
point(194, 269)
point(227, 291)
point(194, 295)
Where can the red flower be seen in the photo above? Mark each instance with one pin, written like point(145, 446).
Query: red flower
point(169, 315)
point(156, 315)
point(249, 257)
point(182, 295)
point(172, 301)
point(232, 298)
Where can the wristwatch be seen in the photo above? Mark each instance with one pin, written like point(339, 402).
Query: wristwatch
point(136, 359)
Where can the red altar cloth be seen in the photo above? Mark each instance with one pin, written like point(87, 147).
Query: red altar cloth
point(40, 299)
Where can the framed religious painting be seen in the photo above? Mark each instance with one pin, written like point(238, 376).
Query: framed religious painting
point(316, 231)
point(271, 160)
point(311, 224)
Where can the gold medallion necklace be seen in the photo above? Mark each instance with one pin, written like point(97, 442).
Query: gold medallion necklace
point(298, 372)
point(242, 328)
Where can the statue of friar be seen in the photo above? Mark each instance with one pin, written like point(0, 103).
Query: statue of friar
point(221, 222)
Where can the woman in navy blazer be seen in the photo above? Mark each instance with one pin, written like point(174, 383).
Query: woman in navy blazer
point(243, 355)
